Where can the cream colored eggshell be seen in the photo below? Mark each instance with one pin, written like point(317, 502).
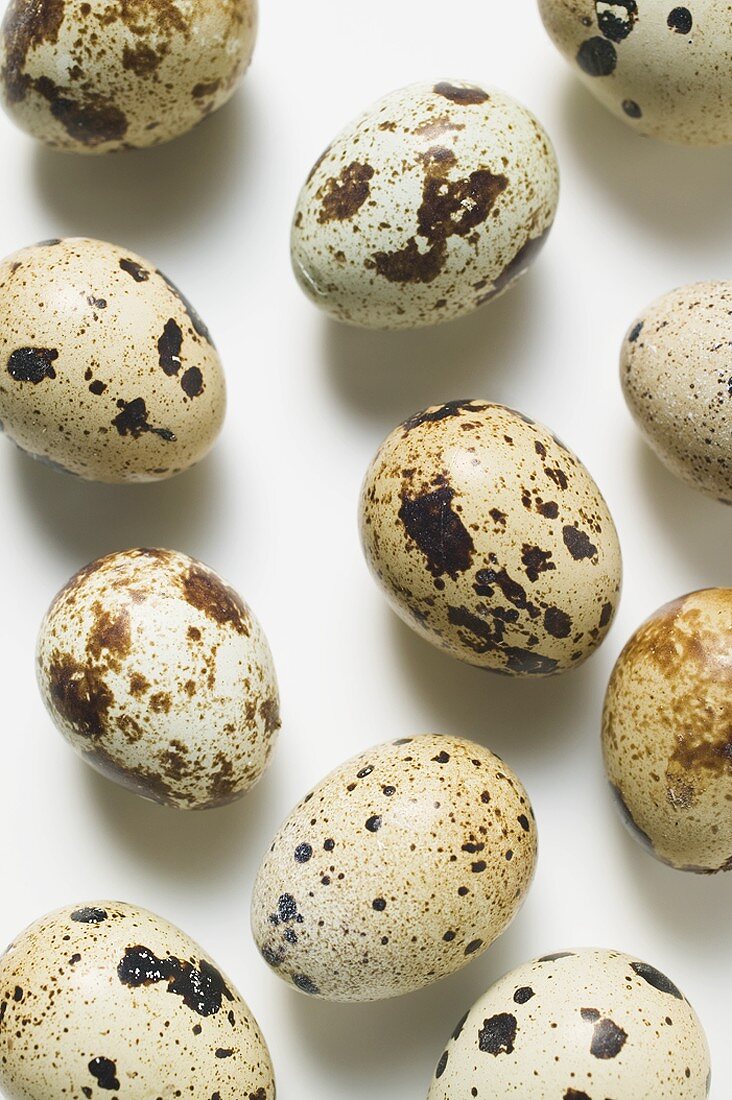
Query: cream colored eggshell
point(106, 370)
point(159, 676)
point(400, 867)
point(490, 539)
point(106, 999)
point(676, 373)
point(663, 68)
point(577, 1025)
point(430, 204)
point(667, 732)
point(96, 76)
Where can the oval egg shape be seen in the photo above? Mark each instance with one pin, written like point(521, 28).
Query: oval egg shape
point(159, 676)
point(89, 76)
point(399, 868)
point(431, 203)
point(490, 539)
point(666, 732)
point(107, 999)
point(106, 370)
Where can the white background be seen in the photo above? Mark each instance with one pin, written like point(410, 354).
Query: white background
point(274, 507)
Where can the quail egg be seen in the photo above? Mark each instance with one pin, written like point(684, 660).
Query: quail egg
point(662, 68)
point(96, 76)
point(159, 676)
point(676, 372)
point(490, 539)
point(399, 868)
point(667, 732)
point(577, 1025)
point(433, 202)
point(105, 998)
point(106, 370)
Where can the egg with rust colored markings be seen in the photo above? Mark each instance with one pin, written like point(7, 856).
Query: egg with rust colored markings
point(399, 868)
point(104, 998)
point(99, 76)
point(667, 732)
point(664, 69)
point(676, 373)
point(490, 539)
point(429, 205)
point(577, 1025)
point(158, 674)
point(106, 370)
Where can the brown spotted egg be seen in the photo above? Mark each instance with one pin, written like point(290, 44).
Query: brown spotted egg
point(662, 67)
point(433, 202)
point(157, 673)
point(399, 868)
point(106, 999)
point(577, 1025)
point(490, 539)
point(106, 370)
point(676, 373)
point(96, 76)
point(667, 732)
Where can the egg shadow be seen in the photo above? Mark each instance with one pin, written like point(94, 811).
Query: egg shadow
point(680, 192)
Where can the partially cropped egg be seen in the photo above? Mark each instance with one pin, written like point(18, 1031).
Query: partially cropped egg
point(159, 676)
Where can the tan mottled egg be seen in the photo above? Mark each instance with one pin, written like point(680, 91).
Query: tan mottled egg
point(108, 999)
point(667, 732)
point(663, 68)
point(490, 539)
point(577, 1025)
point(431, 203)
point(400, 867)
point(106, 370)
point(159, 676)
point(676, 373)
point(96, 76)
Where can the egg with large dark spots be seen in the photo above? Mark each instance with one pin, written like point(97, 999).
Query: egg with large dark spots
point(433, 202)
point(105, 999)
point(667, 732)
point(491, 540)
point(106, 369)
point(159, 676)
point(662, 67)
point(577, 1025)
point(97, 76)
point(399, 868)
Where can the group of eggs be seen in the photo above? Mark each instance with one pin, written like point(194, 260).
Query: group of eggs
point(488, 536)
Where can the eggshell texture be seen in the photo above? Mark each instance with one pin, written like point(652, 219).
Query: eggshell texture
point(667, 732)
point(577, 1025)
point(429, 205)
point(106, 370)
point(160, 677)
point(665, 70)
point(490, 539)
point(399, 868)
point(676, 372)
point(108, 999)
point(96, 76)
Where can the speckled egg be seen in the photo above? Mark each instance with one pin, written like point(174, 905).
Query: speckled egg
point(106, 370)
point(490, 539)
point(106, 999)
point(96, 76)
point(577, 1025)
point(665, 70)
point(399, 868)
point(432, 203)
point(159, 676)
point(667, 732)
point(676, 372)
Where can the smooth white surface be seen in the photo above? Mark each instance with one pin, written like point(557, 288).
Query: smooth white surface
point(274, 510)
